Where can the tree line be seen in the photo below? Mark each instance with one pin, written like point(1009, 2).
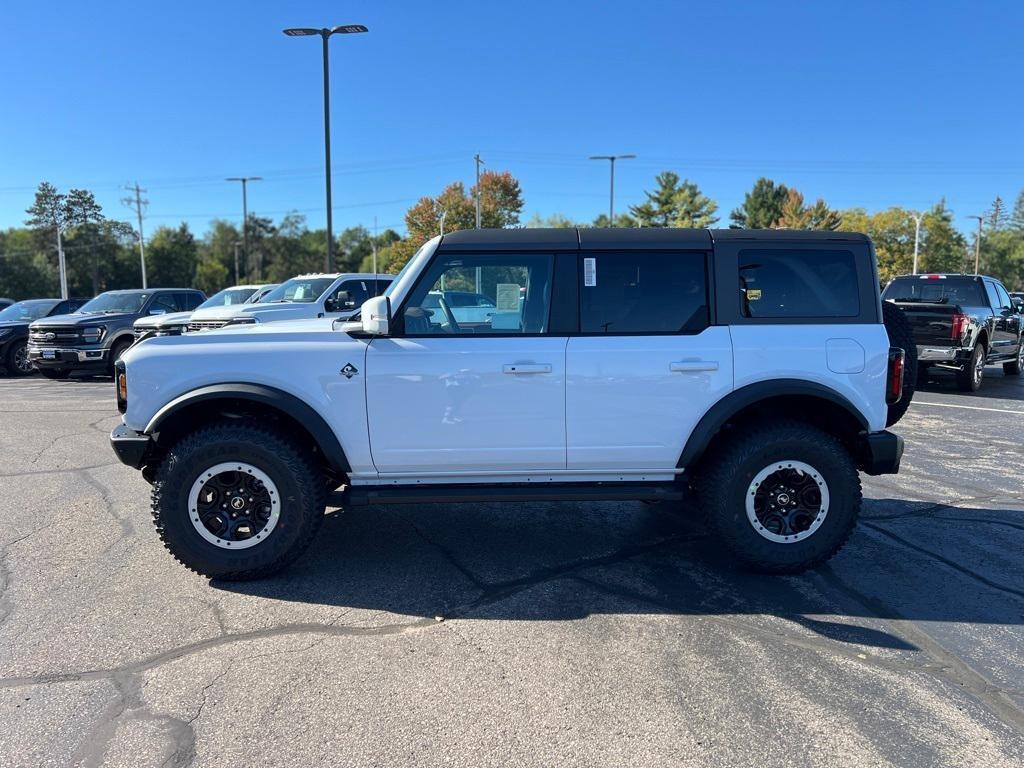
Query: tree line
point(102, 254)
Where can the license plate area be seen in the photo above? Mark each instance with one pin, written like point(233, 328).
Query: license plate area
point(49, 354)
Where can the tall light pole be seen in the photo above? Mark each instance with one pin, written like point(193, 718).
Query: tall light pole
point(236, 244)
point(917, 235)
point(479, 162)
point(977, 244)
point(611, 194)
point(245, 211)
point(325, 34)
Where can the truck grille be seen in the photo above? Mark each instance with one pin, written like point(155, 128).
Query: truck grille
point(206, 325)
point(55, 336)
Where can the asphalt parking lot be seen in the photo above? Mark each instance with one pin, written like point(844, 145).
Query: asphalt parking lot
point(480, 635)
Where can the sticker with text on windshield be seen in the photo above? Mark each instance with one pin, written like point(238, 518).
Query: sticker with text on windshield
point(753, 294)
point(589, 272)
point(507, 297)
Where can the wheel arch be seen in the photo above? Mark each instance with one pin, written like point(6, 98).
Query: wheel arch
point(239, 400)
point(806, 401)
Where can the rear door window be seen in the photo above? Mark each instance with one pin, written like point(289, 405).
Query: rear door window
point(643, 292)
point(780, 283)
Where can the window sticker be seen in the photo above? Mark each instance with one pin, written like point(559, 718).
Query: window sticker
point(589, 272)
point(507, 297)
point(753, 294)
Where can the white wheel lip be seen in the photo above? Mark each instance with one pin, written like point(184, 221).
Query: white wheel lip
point(234, 466)
point(760, 477)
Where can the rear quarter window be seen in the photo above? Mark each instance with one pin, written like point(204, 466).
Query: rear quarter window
point(798, 284)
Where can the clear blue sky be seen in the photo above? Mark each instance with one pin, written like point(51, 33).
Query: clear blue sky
point(868, 104)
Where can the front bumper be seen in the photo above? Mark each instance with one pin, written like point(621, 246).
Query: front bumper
point(59, 357)
point(130, 446)
point(881, 453)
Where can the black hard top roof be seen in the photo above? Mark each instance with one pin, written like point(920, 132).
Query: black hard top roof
point(593, 238)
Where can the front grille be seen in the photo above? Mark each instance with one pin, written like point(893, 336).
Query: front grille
point(55, 336)
point(206, 325)
point(140, 332)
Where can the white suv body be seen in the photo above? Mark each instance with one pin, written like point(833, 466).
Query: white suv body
point(313, 295)
point(614, 364)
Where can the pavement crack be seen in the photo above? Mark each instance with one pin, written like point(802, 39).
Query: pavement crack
point(945, 561)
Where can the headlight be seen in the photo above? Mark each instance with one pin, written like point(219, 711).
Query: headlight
point(93, 334)
point(243, 321)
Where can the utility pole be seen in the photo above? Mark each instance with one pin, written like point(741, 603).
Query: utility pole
point(245, 211)
point(479, 162)
point(917, 235)
point(61, 264)
point(138, 204)
point(374, 244)
point(236, 244)
point(611, 195)
point(977, 244)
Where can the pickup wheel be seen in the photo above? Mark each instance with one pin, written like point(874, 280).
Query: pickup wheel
point(969, 379)
point(901, 335)
point(1014, 368)
point(237, 500)
point(782, 497)
point(18, 363)
point(116, 351)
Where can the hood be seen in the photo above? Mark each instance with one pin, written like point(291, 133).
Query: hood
point(76, 320)
point(161, 321)
point(266, 313)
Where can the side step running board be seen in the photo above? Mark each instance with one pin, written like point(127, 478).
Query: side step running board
point(352, 496)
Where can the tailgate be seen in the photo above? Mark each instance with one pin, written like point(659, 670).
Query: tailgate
point(931, 323)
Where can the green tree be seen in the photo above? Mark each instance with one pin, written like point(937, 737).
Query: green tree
point(53, 213)
point(1002, 256)
point(675, 203)
point(762, 206)
point(171, 257)
point(1016, 220)
point(995, 216)
point(796, 215)
point(211, 274)
point(554, 221)
point(622, 221)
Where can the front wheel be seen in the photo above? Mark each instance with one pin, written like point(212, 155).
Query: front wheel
point(969, 379)
point(236, 500)
point(18, 363)
point(781, 498)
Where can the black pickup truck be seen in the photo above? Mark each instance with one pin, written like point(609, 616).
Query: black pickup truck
point(95, 336)
point(960, 323)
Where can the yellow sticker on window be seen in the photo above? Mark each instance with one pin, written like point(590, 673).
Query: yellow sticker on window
point(753, 294)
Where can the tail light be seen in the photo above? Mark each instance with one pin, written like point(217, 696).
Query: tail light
point(958, 326)
point(894, 379)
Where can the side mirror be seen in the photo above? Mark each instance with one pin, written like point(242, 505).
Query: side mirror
point(376, 315)
point(339, 302)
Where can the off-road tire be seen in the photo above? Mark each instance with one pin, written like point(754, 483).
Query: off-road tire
point(724, 477)
point(11, 361)
point(1014, 368)
point(901, 335)
point(289, 466)
point(55, 373)
point(966, 381)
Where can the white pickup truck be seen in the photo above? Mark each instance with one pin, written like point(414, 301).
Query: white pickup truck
point(750, 368)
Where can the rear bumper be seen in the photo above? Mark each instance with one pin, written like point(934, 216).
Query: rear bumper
point(130, 446)
point(950, 355)
point(881, 453)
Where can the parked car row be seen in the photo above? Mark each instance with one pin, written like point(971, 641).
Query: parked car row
point(961, 323)
point(56, 337)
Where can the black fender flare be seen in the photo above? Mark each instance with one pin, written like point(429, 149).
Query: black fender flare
point(737, 400)
point(275, 398)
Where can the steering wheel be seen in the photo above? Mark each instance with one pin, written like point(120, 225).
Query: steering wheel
point(453, 324)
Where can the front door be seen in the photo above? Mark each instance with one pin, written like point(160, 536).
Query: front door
point(646, 365)
point(454, 394)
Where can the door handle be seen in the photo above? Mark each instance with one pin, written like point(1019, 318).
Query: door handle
point(693, 366)
point(523, 368)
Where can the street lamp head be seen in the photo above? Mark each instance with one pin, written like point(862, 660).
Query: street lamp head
point(301, 32)
point(348, 29)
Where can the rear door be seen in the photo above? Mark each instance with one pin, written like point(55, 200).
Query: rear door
point(1005, 325)
point(647, 363)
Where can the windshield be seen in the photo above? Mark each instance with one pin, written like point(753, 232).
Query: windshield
point(27, 310)
point(299, 289)
point(115, 301)
point(399, 281)
point(228, 297)
point(936, 290)
point(260, 294)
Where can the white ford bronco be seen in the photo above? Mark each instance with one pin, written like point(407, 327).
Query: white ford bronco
point(751, 369)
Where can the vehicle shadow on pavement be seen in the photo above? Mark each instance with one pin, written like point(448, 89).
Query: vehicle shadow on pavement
point(996, 385)
point(563, 562)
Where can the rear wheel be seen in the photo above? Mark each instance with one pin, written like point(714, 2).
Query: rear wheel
point(1014, 368)
point(969, 379)
point(781, 498)
point(18, 363)
point(55, 373)
point(901, 335)
point(237, 500)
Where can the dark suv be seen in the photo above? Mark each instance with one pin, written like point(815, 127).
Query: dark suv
point(14, 322)
point(94, 338)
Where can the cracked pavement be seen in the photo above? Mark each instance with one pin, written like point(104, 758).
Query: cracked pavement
point(478, 635)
